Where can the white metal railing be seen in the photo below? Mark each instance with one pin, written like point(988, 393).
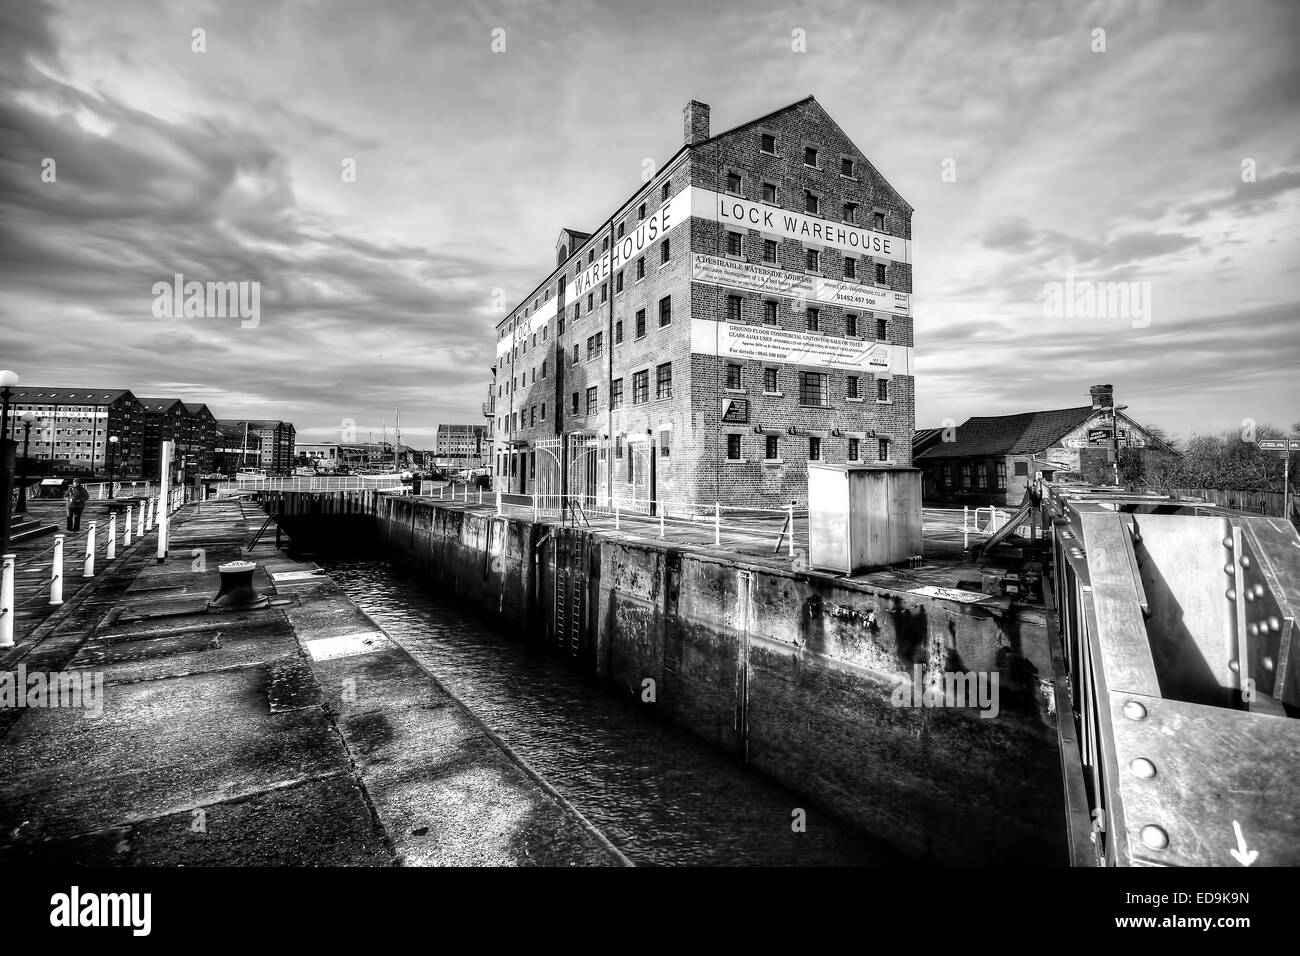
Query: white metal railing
point(335, 483)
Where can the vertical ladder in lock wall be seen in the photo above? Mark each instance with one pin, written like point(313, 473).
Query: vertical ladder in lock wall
point(570, 589)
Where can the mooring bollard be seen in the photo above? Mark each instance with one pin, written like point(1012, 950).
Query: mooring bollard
point(112, 538)
point(56, 572)
point(789, 513)
point(7, 603)
point(88, 571)
point(717, 524)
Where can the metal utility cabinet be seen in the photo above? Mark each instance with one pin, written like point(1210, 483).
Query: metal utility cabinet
point(862, 517)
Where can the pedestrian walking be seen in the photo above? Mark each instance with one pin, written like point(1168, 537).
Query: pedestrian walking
point(76, 498)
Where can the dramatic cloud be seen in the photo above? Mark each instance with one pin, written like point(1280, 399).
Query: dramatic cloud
point(230, 165)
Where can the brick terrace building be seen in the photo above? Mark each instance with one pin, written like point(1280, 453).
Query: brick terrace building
point(255, 443)
point(73, 427)
point(461, 445)
point(190, 425)
point(746, 310)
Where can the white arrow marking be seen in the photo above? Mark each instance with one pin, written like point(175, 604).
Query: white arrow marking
point(1241, 854)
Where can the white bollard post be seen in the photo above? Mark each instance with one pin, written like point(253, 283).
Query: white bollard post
point(480, 494)
point(148, 513)
point(789, 513)
point(498, 502)
point(442, 492)
point(536, 517)
point(717, 524)
point(126, 529)
point(7, 603)
point(89, 570)
point(616, 513)
point(112, 538)
point(101, 491)
point(139, 521)
point(965, 527)
point(56, 572)
point(662, 509)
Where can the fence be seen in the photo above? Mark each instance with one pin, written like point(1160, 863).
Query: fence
point(150, 515)
point(657, 517)
point(340, 483)
point(1257, 502)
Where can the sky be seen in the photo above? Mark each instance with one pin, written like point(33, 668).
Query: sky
point(1044, 146)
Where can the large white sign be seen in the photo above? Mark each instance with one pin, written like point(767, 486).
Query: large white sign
point(649, 231)
point(734, 211)
point(765, 343)
point(545, 312)
point(768, 280)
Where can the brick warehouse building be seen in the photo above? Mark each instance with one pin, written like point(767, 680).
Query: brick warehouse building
point(746, 310)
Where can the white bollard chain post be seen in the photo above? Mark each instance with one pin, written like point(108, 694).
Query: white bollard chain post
point(56, 572)
point(112, 538)
point(88, 571)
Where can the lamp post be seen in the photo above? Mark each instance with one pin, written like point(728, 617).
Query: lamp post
point(112, 465)
point(8, 379)
point(28, 417)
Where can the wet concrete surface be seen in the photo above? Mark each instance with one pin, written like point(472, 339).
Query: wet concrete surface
point(294, 735)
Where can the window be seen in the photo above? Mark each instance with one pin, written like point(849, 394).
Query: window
point(618, 281)
point(878, 221)
point(882, 389)
point(665, 446)
point(591, 400)
point(849, 211)
point(640, 323)
point(1000, 475)
point(575, 403)
point(981, 475)
point(532, 416)
point(809, 156)
point(947, 476)
point(604, 244)
point(882, 330)
point(733, 376)
point(811, 204)
point(769, 250)
point(851, 326)
point(663, 192)
point(733, 183)
point(733, 244)
point(640, 211)
point(618, 338)
point(771, 450)
point(543, 415)
point(543, 368)
point(640, 387)
point(846, 168)
point(664, 252)
point(853, 449)
point(1022, 468)
point(544, 330)
point(767, 143)
point(812, 389)
point(733, 308)
point(814, 318)
point(769, 380)
point(591, 256)
point(665, 311)
point(733, 448)
point(620, 232)
point(595, 345)
point(664, 381)
point(575, 353)
point(604, 292)
point(850, 267)
point(769, 313)
point(616, 394)
point(769, 192)
point(814, 449)
point(812, 260)
point(591, 301)
point(883, 449)
point(880, 274)
point(640, 268)
point(852, 388)
point(618, 446)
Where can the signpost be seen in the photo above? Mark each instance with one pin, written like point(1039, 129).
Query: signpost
point(1285, 446)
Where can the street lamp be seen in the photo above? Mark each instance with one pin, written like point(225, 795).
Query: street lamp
point(8, 379)
point(112, 465)
point(28, 417)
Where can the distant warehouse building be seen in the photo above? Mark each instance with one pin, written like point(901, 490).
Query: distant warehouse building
point(460, 445)
point(255, 443)
point(990, 460)
point(74, 428)
point(744, 312)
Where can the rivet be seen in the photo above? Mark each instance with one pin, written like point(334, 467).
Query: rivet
point(1229, 570)
point(1142, 767)
point(1253, 630)
point(1227, 543)
point(1134, 710)
point(1234, 665)
point(1230, 594)
point(1245, 560)
point(1274, 624)
point(1259, 590)
point(1268, 663)
point(1248, 594)
point(1155, 837)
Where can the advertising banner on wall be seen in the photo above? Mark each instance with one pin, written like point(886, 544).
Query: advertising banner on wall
point(771, 281)
point(764, 343)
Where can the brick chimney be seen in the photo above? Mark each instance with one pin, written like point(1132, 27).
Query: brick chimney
point(1103, 396)
point(695, 122)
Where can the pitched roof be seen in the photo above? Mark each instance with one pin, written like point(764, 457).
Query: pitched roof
point(1025, 434)
point(923, 438)
point(37, 394)
point(159, 404)
point(196, 408)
